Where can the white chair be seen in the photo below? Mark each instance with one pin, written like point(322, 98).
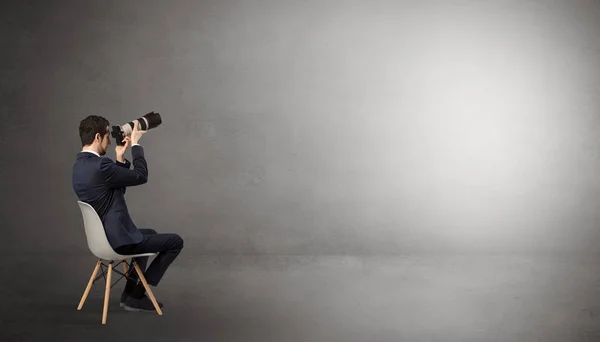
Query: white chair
point(100, 247)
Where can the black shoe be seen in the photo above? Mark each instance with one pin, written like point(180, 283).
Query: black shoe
point(141, 304)
point(124, 297)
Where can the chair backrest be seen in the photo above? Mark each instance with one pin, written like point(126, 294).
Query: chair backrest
point(95, 234)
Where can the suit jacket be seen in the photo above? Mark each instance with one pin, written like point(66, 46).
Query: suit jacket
point(102, 183)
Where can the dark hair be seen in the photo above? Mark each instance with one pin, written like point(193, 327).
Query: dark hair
point(91, 125)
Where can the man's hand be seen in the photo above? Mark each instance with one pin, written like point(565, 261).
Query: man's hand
point(136, 134)
point(120, 150)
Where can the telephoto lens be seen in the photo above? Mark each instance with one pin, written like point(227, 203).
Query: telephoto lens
point(146, 122)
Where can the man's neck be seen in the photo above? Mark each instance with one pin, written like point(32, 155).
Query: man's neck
point(90, 149)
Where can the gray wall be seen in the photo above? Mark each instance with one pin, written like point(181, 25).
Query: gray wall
point(313, 127)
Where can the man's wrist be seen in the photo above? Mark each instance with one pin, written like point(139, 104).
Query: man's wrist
point(121, 159)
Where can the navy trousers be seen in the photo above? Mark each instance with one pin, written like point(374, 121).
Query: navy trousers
point(167, 245)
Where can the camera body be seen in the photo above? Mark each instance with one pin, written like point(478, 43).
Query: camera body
point(146, 122)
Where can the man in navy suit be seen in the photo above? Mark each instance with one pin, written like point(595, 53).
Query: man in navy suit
point(102, 183)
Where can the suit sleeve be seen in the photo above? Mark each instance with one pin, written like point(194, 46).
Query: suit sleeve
point(120, 177)
point(127, 165)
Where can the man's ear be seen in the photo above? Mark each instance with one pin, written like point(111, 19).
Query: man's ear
point(97, 137)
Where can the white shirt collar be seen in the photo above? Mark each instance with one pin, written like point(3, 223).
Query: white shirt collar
point(90, 151)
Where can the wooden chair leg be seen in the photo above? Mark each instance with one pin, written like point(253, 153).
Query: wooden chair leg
point(89, 285)
point(143, 279)
point(107, 293)
point(125, 268)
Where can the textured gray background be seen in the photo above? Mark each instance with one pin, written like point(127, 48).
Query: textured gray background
point(339, 170)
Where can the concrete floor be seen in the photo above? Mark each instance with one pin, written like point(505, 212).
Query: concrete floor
point(314, 298)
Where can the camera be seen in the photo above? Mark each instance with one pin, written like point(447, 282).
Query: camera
point(146, 122)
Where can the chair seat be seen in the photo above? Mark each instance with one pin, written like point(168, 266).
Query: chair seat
point(128, 256)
